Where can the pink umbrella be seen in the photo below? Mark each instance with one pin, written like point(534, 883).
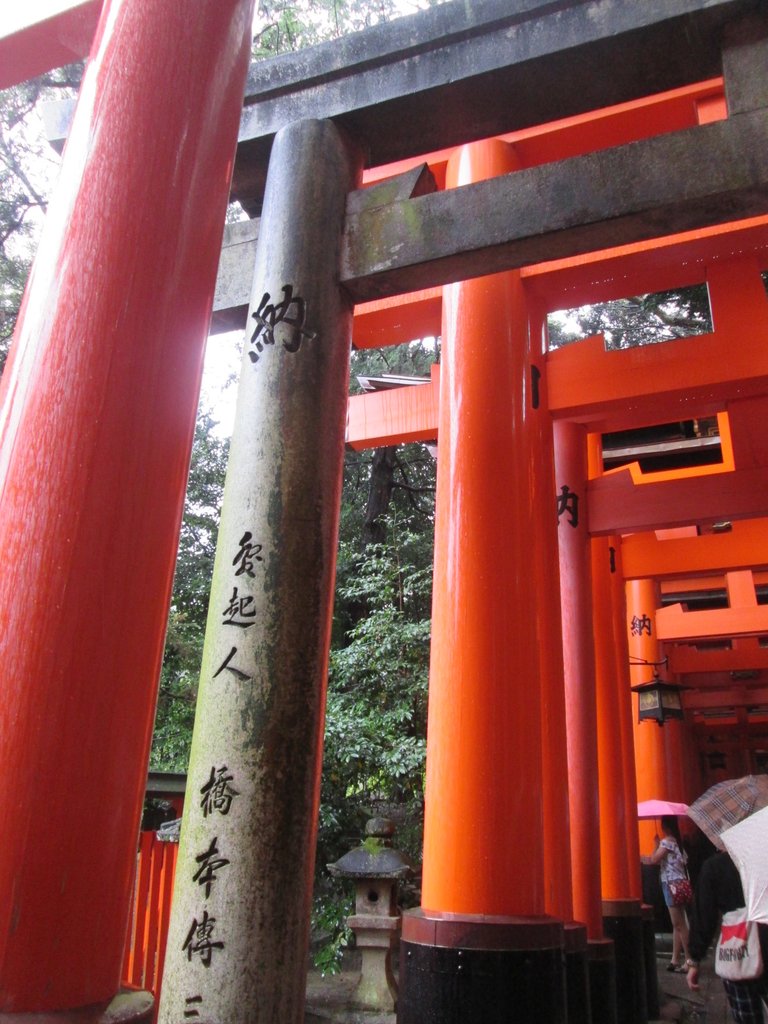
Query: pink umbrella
point(660, 809)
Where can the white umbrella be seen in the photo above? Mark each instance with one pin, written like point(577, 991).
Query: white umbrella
point(747, 843)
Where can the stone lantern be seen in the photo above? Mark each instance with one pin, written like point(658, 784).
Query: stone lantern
point(375, 869)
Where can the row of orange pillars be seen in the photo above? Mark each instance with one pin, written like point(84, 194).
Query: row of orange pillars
point(531, 841)
point(531, 905)
point(531, 901)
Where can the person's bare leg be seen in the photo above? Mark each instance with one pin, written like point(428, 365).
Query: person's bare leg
point(679, 934)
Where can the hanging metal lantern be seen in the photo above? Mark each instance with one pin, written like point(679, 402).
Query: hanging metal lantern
point(658, 700)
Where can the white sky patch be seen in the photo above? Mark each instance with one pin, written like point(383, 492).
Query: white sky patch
point(221, 371)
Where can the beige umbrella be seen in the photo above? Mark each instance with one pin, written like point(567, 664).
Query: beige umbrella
point(727, 803)
point(747, 843)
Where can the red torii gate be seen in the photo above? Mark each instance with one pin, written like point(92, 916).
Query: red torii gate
point(601, 402)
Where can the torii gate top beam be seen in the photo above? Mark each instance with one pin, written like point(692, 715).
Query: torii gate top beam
point(45, 35)
point(463, 71)
point(455, 73)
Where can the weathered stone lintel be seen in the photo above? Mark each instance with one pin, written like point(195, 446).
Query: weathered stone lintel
point(461, 71)
point(468, 71)
point(745, 64)
point(233, 282)
point(699, 187)
point(690, 179)
point(677, 182)
point(238, 254)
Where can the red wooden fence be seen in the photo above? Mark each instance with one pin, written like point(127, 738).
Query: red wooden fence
point(148, 925)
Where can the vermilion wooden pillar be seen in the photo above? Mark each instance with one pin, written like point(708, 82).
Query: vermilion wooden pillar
point(622, 910)
point(620, 872)
point(631, 845)
point(692, 767)
point(650, 758)
point(97, 413)
point(579, 662)
point(631, 823)
point(558, 885)
point(675, 757)
point(581, 710)
point(634, 612)
point(482, 925)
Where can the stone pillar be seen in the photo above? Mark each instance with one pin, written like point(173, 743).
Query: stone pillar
point(97, 414)
point(238, 938)
point(481, 941)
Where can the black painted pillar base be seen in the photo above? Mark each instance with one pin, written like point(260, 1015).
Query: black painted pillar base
point(577, 974)
point(623, 922)
point(467, 969)
point(649, 956)
point(602, 981)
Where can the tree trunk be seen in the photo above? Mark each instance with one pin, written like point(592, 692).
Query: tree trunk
point(380, 487)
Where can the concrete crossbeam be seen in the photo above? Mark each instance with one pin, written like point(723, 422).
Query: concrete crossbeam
point(467, 71)
point(603, 199)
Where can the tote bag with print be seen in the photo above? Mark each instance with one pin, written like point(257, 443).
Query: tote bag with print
point(737, 954)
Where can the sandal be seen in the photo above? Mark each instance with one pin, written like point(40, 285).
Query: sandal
point(674, 968)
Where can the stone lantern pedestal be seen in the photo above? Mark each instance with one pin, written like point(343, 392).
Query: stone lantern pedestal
point(375, 869)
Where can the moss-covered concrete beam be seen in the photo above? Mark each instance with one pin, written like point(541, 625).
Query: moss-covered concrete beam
point(689, 179)
point(465, 71)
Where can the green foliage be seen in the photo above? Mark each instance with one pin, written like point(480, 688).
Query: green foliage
point(375, 737)
point(283, 26)
point(638, 320)
point(376, 725)
point(372, 845)
point(402, 477)
point(189, 603)
point(412, 358)
point(330, 932)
